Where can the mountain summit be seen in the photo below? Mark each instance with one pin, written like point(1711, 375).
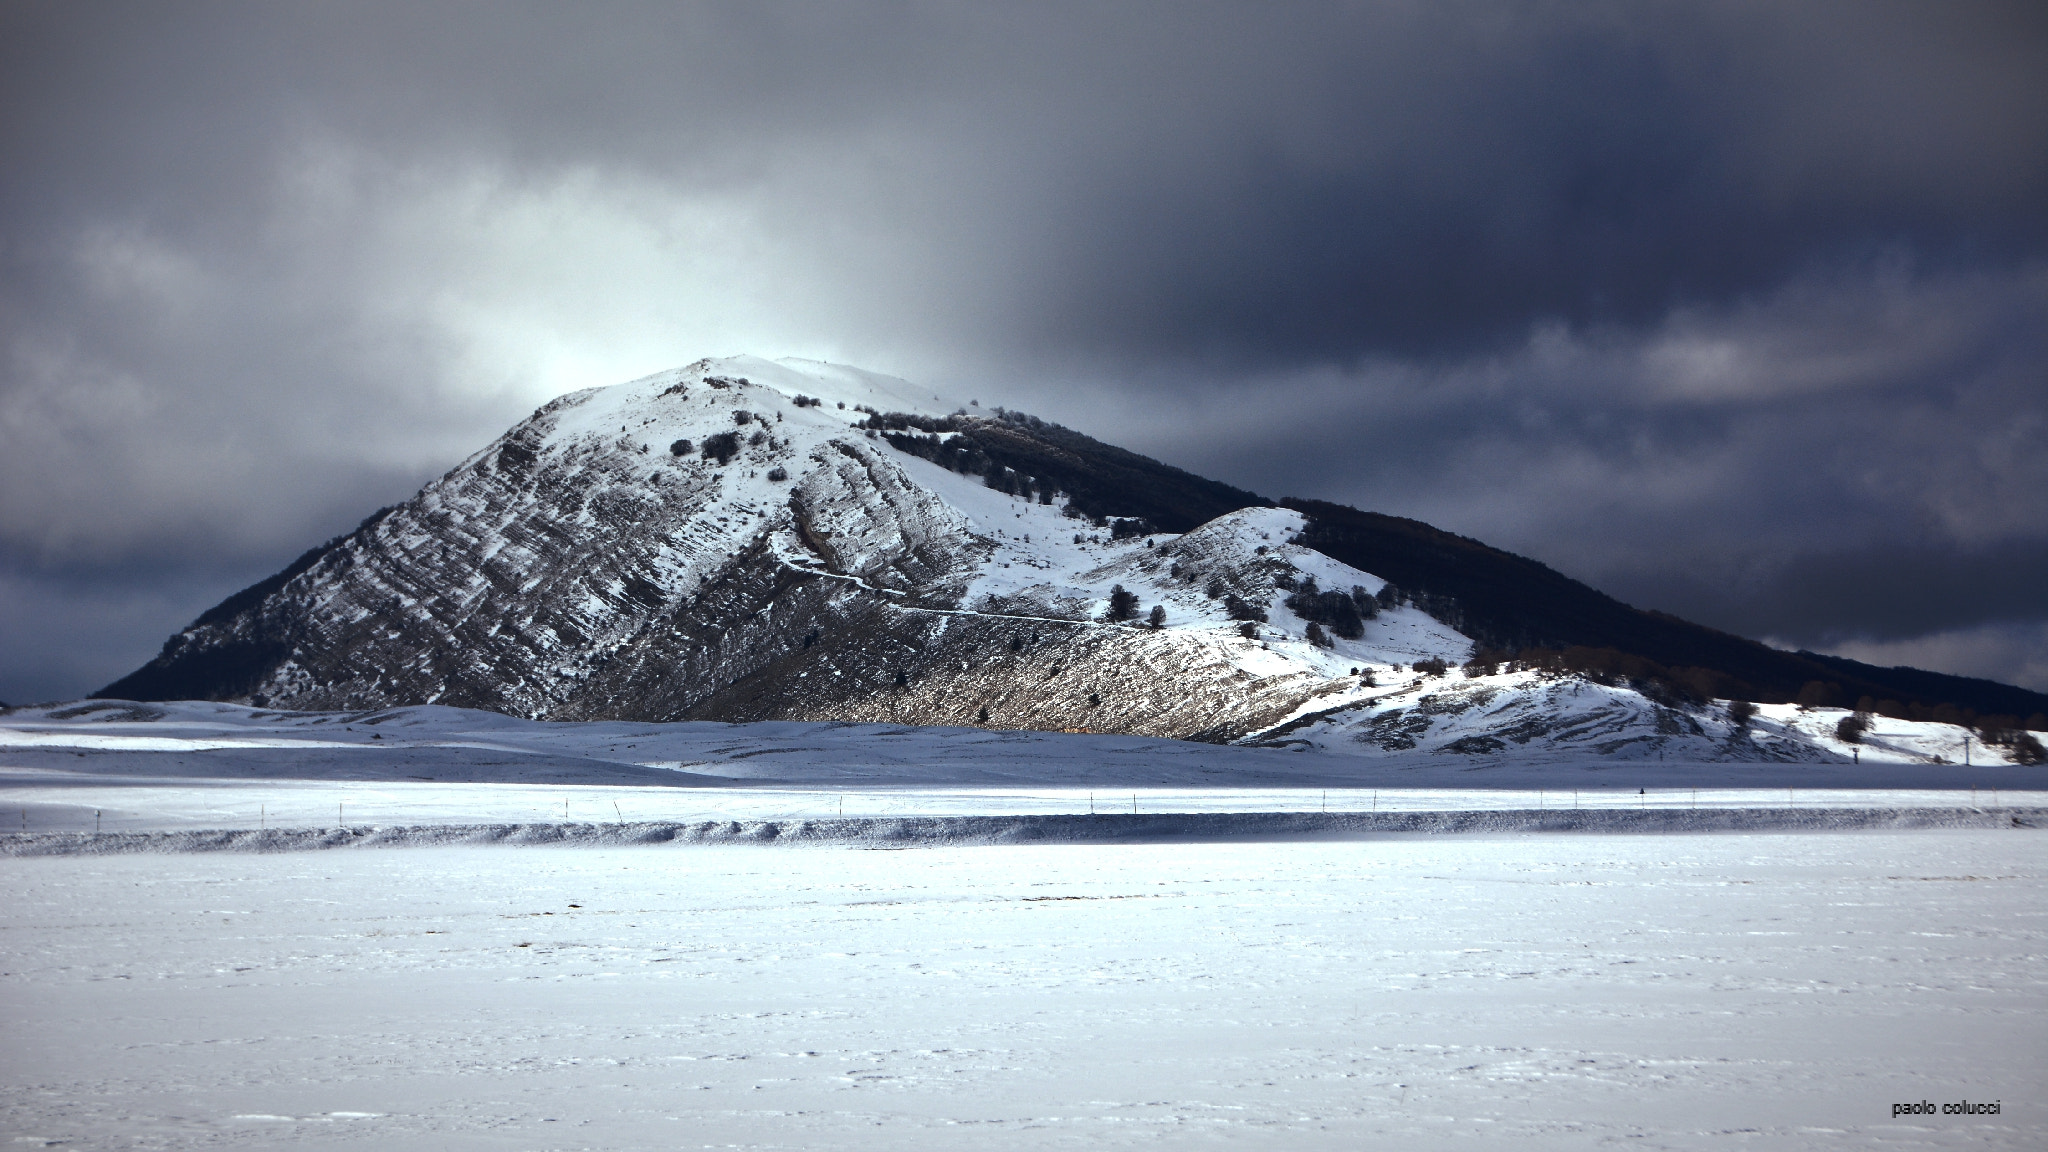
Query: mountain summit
point(745, 539)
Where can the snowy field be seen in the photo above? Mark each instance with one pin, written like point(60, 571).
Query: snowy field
point(1559, 991)
point(1759, 989)
point(173, 767)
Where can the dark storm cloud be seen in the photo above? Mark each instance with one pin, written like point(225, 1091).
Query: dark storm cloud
point(1716, 305)
point(1286, 185)
point(1883, 592)
point(1466, 179)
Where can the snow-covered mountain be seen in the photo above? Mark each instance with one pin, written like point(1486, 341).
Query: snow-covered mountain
point(745, 539)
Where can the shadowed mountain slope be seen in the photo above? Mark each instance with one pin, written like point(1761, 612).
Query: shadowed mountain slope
point(1509, 602)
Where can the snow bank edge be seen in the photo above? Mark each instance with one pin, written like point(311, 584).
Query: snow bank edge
point(938, 831)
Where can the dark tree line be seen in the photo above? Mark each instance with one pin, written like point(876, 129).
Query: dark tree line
point(1514, 604)
point(1099, 481)
point(1674, 686)
point(961, 456)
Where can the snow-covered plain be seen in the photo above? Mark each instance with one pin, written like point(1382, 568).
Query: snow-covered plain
point(1559, 990)
point(1555, 991)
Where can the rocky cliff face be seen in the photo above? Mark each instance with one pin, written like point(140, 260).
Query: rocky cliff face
point(748, 540)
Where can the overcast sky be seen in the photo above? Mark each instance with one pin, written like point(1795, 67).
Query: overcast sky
point(1738, 311)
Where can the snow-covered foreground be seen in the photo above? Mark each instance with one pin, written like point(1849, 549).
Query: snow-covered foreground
point(1561, 991)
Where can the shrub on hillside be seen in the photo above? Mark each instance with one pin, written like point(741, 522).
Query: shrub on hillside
point(1336, 609)
point(721, 447)
point(1366, 603)
point(1123, 605)
point(2022, 745)
point(1240, 609)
